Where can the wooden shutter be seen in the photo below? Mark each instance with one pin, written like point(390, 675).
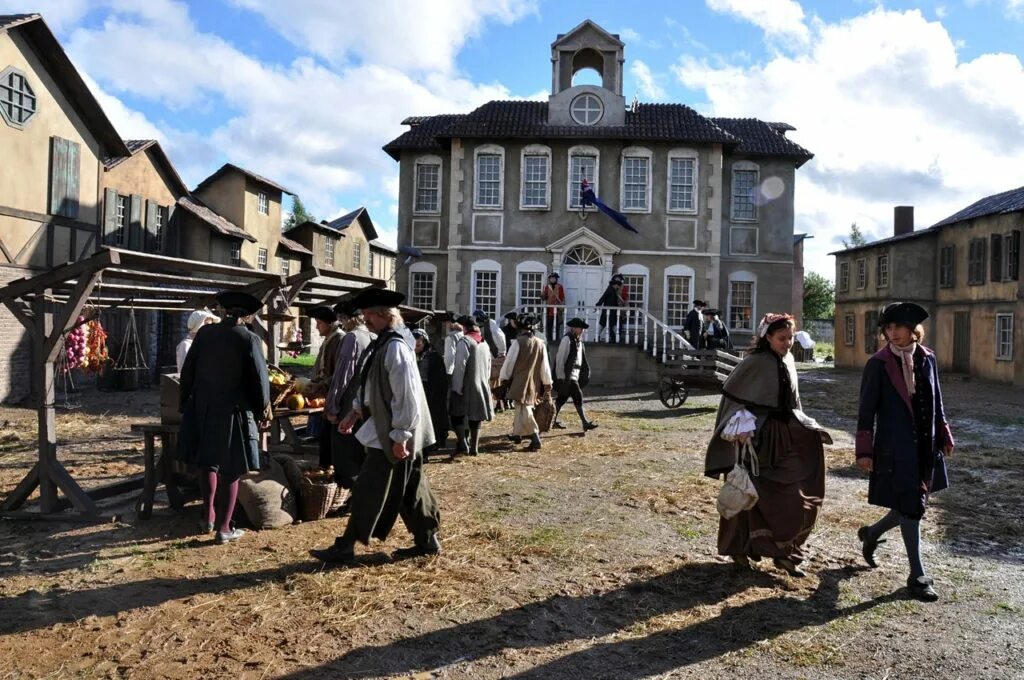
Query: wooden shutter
point(72, 182)
point(150, 233)
point(1013, 255)
point(109, 216)
point(58, 174)
point(135, 233)
point(996, 273)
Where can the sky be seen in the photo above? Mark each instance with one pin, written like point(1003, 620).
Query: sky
point(902, 103)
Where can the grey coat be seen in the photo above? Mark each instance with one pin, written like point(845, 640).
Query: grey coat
point(471, 389)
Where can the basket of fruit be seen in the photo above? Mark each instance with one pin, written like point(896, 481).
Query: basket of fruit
point(281, 385)
point(316, 494)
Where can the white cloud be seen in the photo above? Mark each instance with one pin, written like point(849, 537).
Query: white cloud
point(893, 116)
point(58, 14)
point(781, 19)
point(1015, 8)
point(419, 36)
point(646, 80)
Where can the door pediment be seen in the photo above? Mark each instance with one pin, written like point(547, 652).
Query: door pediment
point(584, 236)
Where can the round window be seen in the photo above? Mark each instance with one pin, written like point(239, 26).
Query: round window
point(586, 109)
point(17, 99)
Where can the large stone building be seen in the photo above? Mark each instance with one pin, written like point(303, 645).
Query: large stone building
point(492, 199)
point(964, 269)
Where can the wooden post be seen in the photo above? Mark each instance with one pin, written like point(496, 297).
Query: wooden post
point(43, 373)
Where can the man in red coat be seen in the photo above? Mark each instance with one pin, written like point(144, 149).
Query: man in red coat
point(553, 296)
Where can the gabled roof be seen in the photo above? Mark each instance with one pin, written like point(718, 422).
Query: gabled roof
point(997, 204)
point(49, 51)
point(317, 226)
point(288, 244)
point(759, 138)
point(342, 223)
point(930, 231)
point(220, 225)
point(587, 23)
point(231, 167)
point(137, 146)
point(383, 246)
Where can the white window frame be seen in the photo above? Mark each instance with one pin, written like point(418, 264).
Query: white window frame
point(330, 251)
point(262, 203)
point(879, 270)
point(489, 150)
point(850, 330)
point(534, 150)
point(122, 218)
point(485, 266)
point(744, 166)
point(262, 259)
point(1000, 354)
point(862, 264)
point(600, 109)
point(529, 267)
point(680, 270)
point(843, 278)
point(571, 190)
point(633, 152)
point(682, 154)
point(284, 265)
point(235, 254)
point(742, 277)
point(357, 254)
point(427, 160)
point(423, 268)
point(501, 227)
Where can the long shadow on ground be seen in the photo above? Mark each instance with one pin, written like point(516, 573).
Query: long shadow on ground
point(563, 619)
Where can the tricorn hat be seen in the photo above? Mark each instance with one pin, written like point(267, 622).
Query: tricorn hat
point(700, 302)
point(711, 311)
point(467, 321)
point(322, 313)
point(377, 297)
point(903, 313)
point(450, 317)
point(618, 278)
point(577, 323)
point(526, 321)
point(345, 308)
point(554, 275)
point(511, 316)
point(234, 299)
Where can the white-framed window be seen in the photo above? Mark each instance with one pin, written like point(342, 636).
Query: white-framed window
point(357, 255)
point(370, 263)
point(742, 291)
point(121, 220)
point(486, 287)
point(678, 294)
point(284, 265)
point(160, 216)
point(584, 162)
point(882, 272)
point(422, 285)
point(535, 183)
point(850, 330)
point(636, 278)
point(844, 277)
point(427, 181)
point(17, 98)
point(744, 191)
point(530, 279)
point(636, 180)
point(489, 176)
point(682, 181)
point(329, 245)
point(582, 254)
point(263, 203)
point(261, 260)
point(862, 274)
point(586, 109)
point(1004, 337)
point(236, 254)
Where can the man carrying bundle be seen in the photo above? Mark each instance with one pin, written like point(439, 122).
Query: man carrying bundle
point(528, 375)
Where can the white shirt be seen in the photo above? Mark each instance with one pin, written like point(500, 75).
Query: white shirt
point(499, 337)
point(182, 351)
point(563, 354)
point(404, 377)
point(510, 363)
point(449, 350)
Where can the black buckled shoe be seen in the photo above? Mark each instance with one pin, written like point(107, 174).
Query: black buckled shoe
point(920, 588)
point(431, 546)
point(868, 545)
point(587, 427)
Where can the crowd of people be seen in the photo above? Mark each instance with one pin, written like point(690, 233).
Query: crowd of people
point(393, 400)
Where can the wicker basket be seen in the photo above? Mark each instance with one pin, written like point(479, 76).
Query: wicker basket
point(316, 499)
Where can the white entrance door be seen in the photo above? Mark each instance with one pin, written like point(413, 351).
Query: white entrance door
point(583, 286)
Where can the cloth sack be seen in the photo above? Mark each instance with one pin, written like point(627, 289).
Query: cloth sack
point(738, 492)
point(742, 423)
point(544, 414)
point(266, 498)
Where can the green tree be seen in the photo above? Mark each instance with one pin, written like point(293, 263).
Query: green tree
point(856, 238)
point(819, 297)
point(298, 215)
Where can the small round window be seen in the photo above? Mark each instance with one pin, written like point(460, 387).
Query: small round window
point(586, 109)
point(17, 99)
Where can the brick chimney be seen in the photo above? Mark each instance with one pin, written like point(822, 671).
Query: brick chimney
point(903, 220)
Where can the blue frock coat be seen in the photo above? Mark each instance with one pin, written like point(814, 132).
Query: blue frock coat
point(904, 436)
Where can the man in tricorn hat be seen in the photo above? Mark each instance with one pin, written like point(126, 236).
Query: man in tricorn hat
point(396, 428)
point(693, 326)
point(614, 299)
point(572, 373)
point(553, 296)
point(528, 375)
point(326, 322)
point(225, 392)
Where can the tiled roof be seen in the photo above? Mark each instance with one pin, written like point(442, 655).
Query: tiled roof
point(930, 231)
point(294, 246)
point(134, 147)
point(219, 224)
point(383, 246)
point(652, 122)
point(229, 167)
point(342, 223)
point(8, 20)
point(763, 139)
point(997, 204)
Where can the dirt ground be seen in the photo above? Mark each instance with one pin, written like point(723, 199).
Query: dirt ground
point(592, 559)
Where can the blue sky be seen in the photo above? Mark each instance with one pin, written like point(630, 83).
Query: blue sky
point(902, 102)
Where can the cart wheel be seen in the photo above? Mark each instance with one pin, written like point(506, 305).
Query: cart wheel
point(672, 392)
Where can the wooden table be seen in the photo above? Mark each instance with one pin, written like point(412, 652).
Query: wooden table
point(161, 470)
point(283, 438)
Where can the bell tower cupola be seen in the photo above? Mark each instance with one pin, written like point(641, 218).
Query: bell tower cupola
point(588, 46)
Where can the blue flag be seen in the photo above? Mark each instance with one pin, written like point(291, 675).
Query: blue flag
point(587, 197)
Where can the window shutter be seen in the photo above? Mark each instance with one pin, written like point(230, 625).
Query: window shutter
point(109, 216)
point(996, 273)
point(58, 174)
point(169, 244)
point(135, 233)
point(70, 203)
point(1013, 254)
point(150, 233)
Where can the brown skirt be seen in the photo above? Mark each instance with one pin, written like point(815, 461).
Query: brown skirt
point(791, 488)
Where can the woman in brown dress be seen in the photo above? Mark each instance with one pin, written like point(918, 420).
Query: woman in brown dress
point(791, 481)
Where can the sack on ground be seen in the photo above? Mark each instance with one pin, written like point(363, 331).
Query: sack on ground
point(266, 499)
point(738, 493)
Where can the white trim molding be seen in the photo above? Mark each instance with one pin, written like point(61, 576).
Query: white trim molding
point(427, 160)
point(535, 150)
point(488, 150)
point(686, 154)
point(529, 267)
point(742, 277)
point(634, 269)
point(501, 227)
point(680, 270)
point(423, 268)
point(744, 166)
point(636, 152)
point(485, 266)
point(581, 150)
point(437, 239)
point(668, 232)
